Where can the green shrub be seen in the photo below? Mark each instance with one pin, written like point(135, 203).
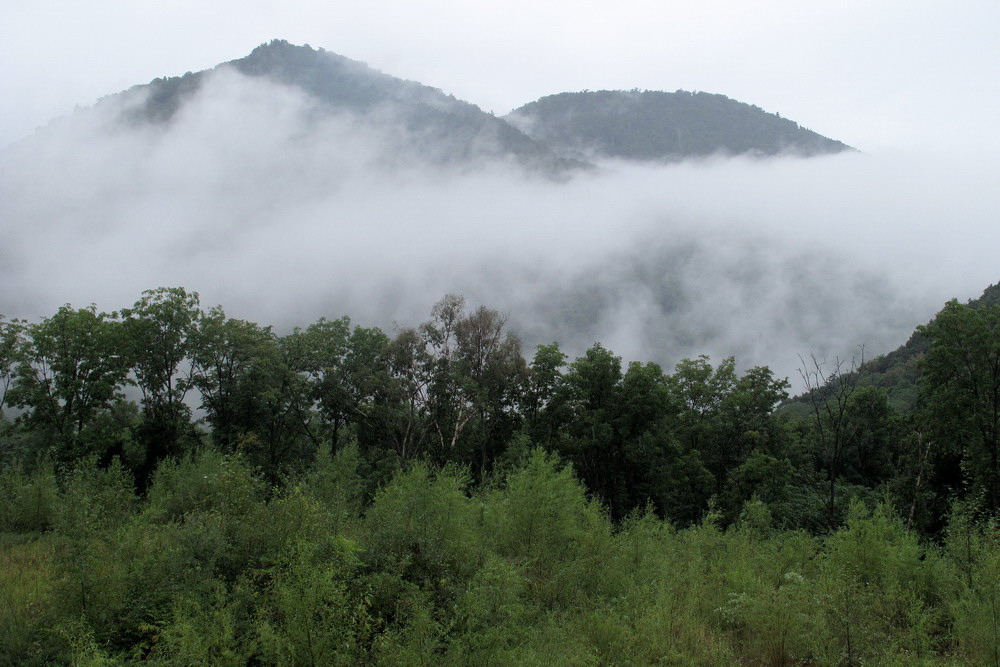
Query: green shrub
point(335, 483)
point(27, 590)
point(94, 499)
point(974, 548)
point(213, 629)
point(204, 481)
point(309, 617)
point(492, 614)
point(423, 525)
point(542, 520)
point(27, 499)
point(879, 592)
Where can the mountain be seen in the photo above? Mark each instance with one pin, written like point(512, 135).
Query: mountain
point(898, 372)
point(555, 134)
point(659, 126)
point(437, 126)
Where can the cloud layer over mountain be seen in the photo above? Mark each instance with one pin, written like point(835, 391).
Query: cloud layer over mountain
point(284, 212)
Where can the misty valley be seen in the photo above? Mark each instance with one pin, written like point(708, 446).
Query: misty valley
point(619, 377)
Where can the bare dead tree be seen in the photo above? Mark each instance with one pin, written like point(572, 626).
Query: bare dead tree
point(829, 387)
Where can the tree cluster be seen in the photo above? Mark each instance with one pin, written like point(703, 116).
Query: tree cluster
point(165, 377)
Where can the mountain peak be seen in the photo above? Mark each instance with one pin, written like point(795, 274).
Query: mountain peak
point(656, 125)
point(555, 133)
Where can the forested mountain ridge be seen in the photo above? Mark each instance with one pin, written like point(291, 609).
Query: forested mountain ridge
point(556, 133)
point(437, 125)
point(897, 372)
point(656, 125)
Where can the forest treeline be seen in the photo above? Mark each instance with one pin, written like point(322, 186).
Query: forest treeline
point(185, 487)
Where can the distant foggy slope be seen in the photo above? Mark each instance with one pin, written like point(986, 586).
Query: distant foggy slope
point(653, 125)
point(554, 134)
point(437, 126)
point(898, 372)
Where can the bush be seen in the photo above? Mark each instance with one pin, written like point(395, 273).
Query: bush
point(95, 499)
point(205, 481)
point(309, 617)
point(27, 499)
point(424, 526)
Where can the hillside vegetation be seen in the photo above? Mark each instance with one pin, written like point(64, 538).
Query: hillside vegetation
point(345, 496)
point(555, 134)
point(654, 125)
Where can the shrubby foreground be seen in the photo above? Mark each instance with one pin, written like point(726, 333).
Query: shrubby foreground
point(213, 567)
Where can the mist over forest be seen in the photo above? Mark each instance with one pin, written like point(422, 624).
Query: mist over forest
point(259, 197)
point(578, 384)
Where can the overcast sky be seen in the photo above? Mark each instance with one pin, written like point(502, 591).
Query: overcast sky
point(877, 75)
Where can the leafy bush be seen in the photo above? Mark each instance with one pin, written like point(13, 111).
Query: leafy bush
point(27, 499)
point(424, 526)
point(205, 481)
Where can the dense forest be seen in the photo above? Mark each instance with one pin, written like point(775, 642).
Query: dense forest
point(184, 487)
point(656, 125)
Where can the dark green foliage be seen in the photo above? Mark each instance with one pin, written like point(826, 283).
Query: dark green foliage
point(70, 371)
point(671, 440)
point(207, 481)
point(423, 526)
point(158, 330)
point(95, 499)
point(230, 359)
point(961, 388)
point(309, 617)
point(336, 483)
point(27, 498)
point(10, 343)
point(347, 372)
point(525, 571)
point(654, 125)
point(433, 499)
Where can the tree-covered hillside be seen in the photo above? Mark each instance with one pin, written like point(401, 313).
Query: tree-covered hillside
point(184, 487)
point(431, 123)
point(899, 372)
point(555, 134)
point(655, 125)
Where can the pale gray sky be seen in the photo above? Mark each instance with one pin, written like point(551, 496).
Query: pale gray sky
point(882, 74)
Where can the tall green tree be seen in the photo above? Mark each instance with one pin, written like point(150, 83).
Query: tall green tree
point(470, 377)
point(493, 373)
point(830, 390)
point(227, 354)
point(961, 390)
point(403, 415)
point(347, 370)
point(543, 382)
point(70, 371)
point(158, 329)
point(10, 342)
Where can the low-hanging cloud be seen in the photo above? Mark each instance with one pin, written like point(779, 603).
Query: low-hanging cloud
point(284, 212)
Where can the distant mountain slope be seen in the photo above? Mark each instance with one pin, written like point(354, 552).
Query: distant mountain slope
point(555, 134)
point(652, 125)
point(898, 372)
point(440, 127)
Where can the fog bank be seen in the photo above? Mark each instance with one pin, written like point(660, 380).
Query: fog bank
point(283, 212)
